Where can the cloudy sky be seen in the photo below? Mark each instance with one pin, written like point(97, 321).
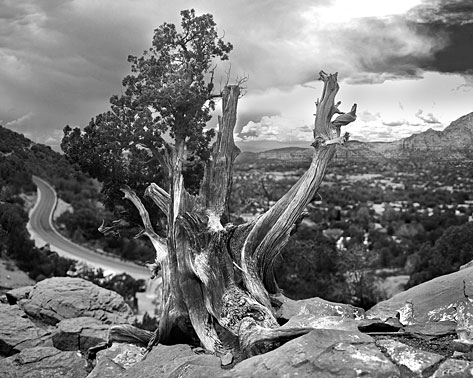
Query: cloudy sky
point(407, 63)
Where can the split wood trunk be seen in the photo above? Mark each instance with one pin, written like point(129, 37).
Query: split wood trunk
point(218, 278)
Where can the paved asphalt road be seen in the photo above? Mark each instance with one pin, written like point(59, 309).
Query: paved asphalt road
point(40, 225)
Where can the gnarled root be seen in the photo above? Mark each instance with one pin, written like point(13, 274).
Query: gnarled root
point(126, 333)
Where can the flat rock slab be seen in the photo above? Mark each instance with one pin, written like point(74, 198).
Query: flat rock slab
point(431, 301)
point(111, 362)
point(17, 332)
point(176, 361)
point(323, 322)
point(106, 368)
point(44, 362)
point(431, 330)
point(58, 298)
point(454, 369)
point(125, 355)
point(463, 346)
point(320, 353)
point(417, 361)
point(79, 333)
point(317, 307)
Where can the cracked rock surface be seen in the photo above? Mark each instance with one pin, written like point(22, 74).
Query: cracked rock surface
point(48, 332)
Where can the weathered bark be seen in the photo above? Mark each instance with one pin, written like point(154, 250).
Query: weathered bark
point(218, 279)
point(217, 183)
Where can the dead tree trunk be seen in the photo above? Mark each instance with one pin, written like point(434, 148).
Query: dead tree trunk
point(218, 278)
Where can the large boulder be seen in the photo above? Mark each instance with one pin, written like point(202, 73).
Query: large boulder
point(430, 301)
point(58, 298)
point(17, 332)
point(43, 362)
point(79, 333)
point(321, 353)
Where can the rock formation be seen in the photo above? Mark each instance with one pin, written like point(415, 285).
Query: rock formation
point(425, 331)
point(46, 329)
point(454, 142)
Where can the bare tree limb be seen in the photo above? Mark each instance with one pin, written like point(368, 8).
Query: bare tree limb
point(217, 182)
point(159, 243)
point(272, 229)
point(159, 196)
point(325, 105)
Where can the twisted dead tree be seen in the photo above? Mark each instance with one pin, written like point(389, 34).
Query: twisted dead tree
point(219, 289)
point(218, 278)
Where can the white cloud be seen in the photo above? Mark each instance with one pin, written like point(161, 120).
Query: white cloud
point(433, 101)
point(21, 121)
point(341, 11)
point(276, 128)
point(427, 118)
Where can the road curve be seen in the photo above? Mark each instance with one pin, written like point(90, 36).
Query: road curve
point(42, 230)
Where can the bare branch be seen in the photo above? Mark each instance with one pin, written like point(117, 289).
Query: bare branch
point(272, 229)
point(344, 119)
point(217, 182)
point(126, 333)
point(228, 75)
point(210, 84)
point(114, 229)
point(159, 196)
point(325, 106)
point(159, 243)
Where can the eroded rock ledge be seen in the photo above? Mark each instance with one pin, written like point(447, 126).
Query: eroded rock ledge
point(425, 331)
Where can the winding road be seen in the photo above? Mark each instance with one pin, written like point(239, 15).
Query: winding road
point(42, 231)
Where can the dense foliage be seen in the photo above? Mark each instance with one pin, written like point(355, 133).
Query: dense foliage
point(15, 244)
point(167, 95)
point(451, 250)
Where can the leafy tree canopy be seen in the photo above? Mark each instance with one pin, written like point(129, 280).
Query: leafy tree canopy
point(167, 95)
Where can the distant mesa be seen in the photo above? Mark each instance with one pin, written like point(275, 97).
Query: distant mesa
point(455, 142)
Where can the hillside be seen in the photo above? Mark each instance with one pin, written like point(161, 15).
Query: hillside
point(293, 154)
point(20, 158)
point(454, 142)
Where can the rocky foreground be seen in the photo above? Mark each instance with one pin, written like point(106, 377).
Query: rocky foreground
point(47, 330)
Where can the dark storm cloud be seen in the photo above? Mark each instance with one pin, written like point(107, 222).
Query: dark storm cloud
point(452, 21)
point(434, 36)
point(384, 48)
point(60, 62)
